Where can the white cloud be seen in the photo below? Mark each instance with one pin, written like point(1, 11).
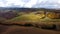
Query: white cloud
point(48, 4)
point(21, 3)
point(15, 2)
point(30, 3)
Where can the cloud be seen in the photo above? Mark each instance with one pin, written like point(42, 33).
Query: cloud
point(17, 3)
point(48, 4)
point(30, 3)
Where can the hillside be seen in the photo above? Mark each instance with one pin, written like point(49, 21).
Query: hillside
point(37, 17)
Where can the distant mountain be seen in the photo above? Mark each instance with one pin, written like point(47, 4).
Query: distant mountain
point(27, 9)
point(21, 9)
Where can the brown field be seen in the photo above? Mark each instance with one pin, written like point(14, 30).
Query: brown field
point(4, 29)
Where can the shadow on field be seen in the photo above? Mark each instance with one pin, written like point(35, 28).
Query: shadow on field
point(53, 27)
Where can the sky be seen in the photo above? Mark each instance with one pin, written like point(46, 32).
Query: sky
point(30, 3)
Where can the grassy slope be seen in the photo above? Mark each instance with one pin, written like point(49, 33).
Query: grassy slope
point(31, 17)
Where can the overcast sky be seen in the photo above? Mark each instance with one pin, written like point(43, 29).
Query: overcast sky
point(30, 3)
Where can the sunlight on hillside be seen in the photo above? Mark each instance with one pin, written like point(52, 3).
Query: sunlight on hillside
point(33, 17)
point(29, 17)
